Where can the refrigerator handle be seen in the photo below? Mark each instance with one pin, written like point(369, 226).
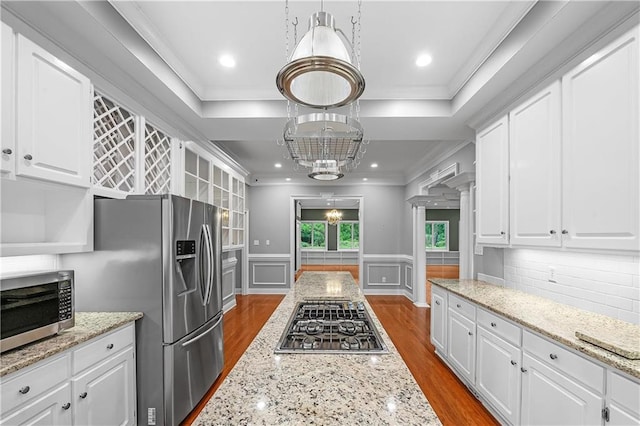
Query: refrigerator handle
point(210, 255)
point(203, 274)
point(201, 335)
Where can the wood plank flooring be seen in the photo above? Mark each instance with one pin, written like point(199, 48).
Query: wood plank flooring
point(408, 328)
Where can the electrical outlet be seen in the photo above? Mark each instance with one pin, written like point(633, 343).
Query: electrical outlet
point(552, 274)
point(256, 242)
point(267, 242)
point(384, 279)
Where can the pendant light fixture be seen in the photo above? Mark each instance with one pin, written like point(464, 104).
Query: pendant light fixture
point(320, 72)
point(334, 216)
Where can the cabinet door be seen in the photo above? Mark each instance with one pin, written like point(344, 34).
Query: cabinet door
point(53, 408)
point(439, 320)
point(535, 162)
point(53, 118)
point(8, 147)
point(498, 374)
point(551, 398)
point(492, 174)
point(462, 345)
point(601, 176)
point(623, 400)
point(105, 394)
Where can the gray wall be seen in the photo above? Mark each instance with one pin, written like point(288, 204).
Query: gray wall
point(491, 262)
point(453, 217)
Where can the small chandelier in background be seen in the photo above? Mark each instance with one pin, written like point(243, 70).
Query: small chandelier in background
point(323, 69)
point(334, 216)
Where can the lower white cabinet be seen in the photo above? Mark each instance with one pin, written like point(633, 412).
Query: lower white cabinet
point(462, 344)
point(439, 319)
point(551, 397)
point(104, 394)
point(623, 400)
point(67, 390)
point(498, 374)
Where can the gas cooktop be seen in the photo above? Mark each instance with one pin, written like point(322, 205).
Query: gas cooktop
point(331, 326)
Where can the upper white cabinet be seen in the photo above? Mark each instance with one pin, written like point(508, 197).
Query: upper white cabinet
point(601, 166)
point(53, 131)
point(8, 148)
point(535, 157)
point(492, 182)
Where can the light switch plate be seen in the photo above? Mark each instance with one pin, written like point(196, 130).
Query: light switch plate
point(256, 242)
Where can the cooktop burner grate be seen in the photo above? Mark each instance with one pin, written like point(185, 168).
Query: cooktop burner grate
point(330, 326)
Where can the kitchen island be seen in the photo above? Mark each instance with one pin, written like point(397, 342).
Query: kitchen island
point(320, 389)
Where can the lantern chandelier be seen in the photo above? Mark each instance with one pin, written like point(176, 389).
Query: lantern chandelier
point(323, 72)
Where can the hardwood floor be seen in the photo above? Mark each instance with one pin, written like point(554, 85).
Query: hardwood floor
point(241, 325)
point(408, 328)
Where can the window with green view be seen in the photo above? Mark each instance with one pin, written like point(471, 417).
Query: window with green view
point(313, 235)
point(436, 235)
point(348, 235)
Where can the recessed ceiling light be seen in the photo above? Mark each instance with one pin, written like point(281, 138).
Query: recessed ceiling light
point(278, 165)
point(423, 60)
point(227, 61)
point(374, 165)
point(365, 179)
point(288, 179)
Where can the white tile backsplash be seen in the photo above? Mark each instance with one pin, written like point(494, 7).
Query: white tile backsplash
point(606, 284)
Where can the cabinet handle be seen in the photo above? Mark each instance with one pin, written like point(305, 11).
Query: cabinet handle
point(553, 356)
point(7, 151)
point(66, 406)
point(501, 232)
point(493, 324)
point(28, 157)
point(513, 362)
point(524, 370)
point(470, 334)
point(110, 346)
point(552, 232)
point(565, 232)
point(437, 302)
point(24, 390)
point(83, 395)
point(458, 305)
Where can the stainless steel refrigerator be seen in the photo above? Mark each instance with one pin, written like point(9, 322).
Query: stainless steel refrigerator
point(160, 255)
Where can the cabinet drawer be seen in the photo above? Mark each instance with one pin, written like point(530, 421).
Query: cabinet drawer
point(102, 348)
point(499, 326)
point(462, 307)
point(26, 385)
point(565, 361)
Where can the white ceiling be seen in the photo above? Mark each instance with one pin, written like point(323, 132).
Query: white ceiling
point(164, 55)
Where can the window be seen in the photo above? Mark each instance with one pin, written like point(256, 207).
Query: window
point(348, 235)
point(436, 235)
point(313, 235)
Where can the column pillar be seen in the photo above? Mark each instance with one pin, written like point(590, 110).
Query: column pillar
point(465, 233)
point(419, 258)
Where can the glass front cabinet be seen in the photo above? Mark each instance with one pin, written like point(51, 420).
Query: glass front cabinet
point(208, 179)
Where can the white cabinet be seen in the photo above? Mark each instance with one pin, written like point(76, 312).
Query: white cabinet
point(197, 176)
point(498, 374)
point(551, 397)
point(53, 131)
point(601, 172)
point(492, 182)
point(92, 384)
point(623, 400)
point(52, 408)
point(439, 319)
point(8, 143)
point(535, 164)
point(105, 394)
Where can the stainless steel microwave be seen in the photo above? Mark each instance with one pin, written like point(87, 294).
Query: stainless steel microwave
point(35, 306)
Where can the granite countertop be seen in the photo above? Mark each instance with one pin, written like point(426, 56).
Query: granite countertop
point(317, 389)
point(554, 320)
point(87, 326)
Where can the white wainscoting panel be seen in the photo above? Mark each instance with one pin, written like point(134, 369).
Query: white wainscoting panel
point(408, 277)
point(391, 281)
point(273, 274)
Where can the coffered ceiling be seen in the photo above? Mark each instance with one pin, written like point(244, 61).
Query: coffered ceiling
point(165, 55)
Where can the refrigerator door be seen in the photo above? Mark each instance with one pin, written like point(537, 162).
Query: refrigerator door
point(191, 365)
point(187, 266)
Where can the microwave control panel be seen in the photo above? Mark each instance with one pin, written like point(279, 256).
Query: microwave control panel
point(65, 300)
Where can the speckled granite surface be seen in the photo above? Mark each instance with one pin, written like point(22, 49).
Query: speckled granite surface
point(554, 320)
point(88, 325)
point(291, 389)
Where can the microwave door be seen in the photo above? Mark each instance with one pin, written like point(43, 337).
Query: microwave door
point(184, 291)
